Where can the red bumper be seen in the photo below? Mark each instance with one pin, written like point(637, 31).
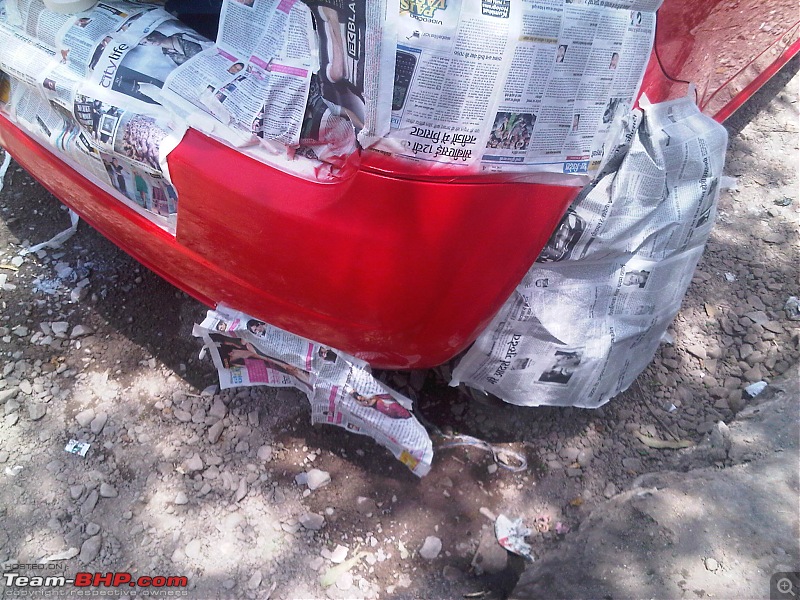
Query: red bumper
point(401, 273)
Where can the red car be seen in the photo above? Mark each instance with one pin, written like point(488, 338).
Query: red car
point(399, 271)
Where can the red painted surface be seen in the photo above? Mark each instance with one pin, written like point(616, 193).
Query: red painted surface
point(402, 273)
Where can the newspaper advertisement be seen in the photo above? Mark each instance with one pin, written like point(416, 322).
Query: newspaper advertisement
point(500, 86)
point(84, 88)
point(589, 315)
point(340, 388)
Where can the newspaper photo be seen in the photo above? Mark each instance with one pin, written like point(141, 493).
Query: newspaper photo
point(505, 86)
point(589, 315)
point(340, 388)
point(83, 85)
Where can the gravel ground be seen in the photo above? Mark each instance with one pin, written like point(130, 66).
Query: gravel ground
point(182, 480)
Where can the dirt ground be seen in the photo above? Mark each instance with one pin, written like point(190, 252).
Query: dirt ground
point(154, 496)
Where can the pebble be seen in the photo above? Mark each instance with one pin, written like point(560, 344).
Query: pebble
point(711, 564)
point(80, 331)
point(25, 387)
point(8, 394)
point(265, 453)
point(108, 491)
point(431, 547)
point(215, 431)
point(85, 417)
point(218, 409)
point(241, 491)
point(36, 411)
point(59, 328)
point(92, 529)
point(193, 463)
point(254, 581)
point(184, 416)
point(610, 490)
point(180, 499)
point(316, 479)
point(98, 422)
point(490, 557)
point(90, 502)
point(339, 554)
point(312, 521)
point(90, 549)
point(12, 406)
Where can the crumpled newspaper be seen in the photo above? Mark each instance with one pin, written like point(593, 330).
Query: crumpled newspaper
point(511, 536)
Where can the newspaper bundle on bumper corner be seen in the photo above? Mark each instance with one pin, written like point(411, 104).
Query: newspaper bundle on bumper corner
point(588, 316)
point(341, 389)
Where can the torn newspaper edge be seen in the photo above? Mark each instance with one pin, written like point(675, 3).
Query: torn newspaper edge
point(588, 316)
point(341, 388)
point(59, 238)
point(511, 536)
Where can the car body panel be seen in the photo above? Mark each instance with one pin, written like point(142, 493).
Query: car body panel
point(400, 272)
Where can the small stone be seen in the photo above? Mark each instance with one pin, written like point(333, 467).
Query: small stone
point(90, 549)
point(85, 417)
point(492, 468)
point(431, 547)
point(12, 406)
point(229, 584)
point(6, 395)
point(36, 411)
point(711, 564)
point(585, 458)
point(610, 490)
point(570, 454)
point(99, 422)
point(12, 419)
point(697, 350)
point(193, 463)
point(312, 521)
point(90, 502)
point(773, 237)
point(180, 499)
point(241, 491)
point(218, 409)
point(254, 581)
point(215, 431)
point(339, 554)
point(315, 479)
point(184, 416)
point(265, 453)
point(25, 387)
point(79, 331)
point(108, 491)
point(76, 491)
point(92, 529)
point(59, 328)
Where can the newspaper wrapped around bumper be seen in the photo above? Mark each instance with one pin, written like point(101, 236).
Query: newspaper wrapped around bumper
point(341, 388)
point(588, 316)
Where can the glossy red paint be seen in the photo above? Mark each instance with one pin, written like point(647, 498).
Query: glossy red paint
point(727, 48)
point(400, 272)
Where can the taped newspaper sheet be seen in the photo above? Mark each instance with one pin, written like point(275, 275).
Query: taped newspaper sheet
point(514, 86)
point(588, 316)
point(341, 388)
